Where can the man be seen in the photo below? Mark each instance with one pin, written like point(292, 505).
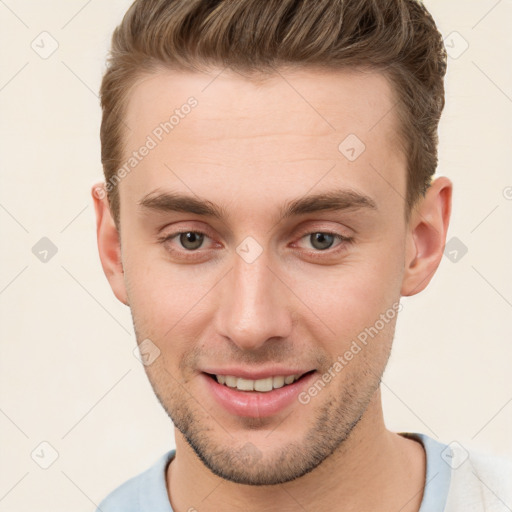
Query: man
point(268, 199)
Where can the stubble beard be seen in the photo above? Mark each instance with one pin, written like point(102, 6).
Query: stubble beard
point(246, 463)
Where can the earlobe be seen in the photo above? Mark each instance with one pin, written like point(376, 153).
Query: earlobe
point(109, 243)
point(426, 236)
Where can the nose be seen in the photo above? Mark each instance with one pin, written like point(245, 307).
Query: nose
point(255, 306)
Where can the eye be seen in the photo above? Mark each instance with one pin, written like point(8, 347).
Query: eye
point(321, 241)
point(325, 240)
point(189, 240)
point(186, 243)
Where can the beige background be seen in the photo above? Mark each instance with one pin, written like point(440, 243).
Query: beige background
point(68, 373)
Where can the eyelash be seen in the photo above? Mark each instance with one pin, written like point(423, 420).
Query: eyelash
point(195, 254)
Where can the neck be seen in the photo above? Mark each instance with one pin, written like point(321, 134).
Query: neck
point(373, 469)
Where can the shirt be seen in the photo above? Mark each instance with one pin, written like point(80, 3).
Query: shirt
point(456, 481)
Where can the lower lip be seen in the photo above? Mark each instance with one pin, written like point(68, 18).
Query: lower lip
point(256, 404)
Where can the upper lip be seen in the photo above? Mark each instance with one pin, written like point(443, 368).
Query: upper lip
point(262, 373)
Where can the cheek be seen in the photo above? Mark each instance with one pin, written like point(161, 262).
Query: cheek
point(166, 301)
point(351, 296)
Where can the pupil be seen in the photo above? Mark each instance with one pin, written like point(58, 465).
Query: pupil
point(322, 241)
point(191, 240)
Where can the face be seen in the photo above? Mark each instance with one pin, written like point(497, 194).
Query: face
point(254, 250)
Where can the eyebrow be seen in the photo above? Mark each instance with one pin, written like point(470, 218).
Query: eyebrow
point(335, 200)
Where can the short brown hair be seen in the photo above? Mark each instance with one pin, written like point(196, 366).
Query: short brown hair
point(397, 37)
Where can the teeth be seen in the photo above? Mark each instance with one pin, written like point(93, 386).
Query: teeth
point(230, 381)
point(262, 385)
point(278, 382)
point(245, 384)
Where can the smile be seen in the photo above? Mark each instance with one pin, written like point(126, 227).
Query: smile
point(261, 385)
point(255, 398)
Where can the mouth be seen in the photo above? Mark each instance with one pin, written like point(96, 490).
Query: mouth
point(260, 385)
point(255, 398)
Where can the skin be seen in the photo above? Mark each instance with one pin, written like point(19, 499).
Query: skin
point(251, 147)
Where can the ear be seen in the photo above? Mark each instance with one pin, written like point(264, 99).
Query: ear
point(426, 236)
point(109, 243)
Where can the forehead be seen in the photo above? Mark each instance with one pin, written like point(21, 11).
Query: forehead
point(329, 100)
point(286, 131)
